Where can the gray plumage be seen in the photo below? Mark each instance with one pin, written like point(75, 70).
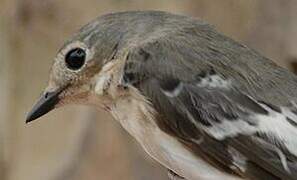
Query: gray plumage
point(224, 101)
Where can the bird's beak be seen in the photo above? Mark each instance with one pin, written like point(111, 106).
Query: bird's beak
point(45, 104)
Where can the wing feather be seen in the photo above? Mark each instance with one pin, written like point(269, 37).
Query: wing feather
point(213, 108)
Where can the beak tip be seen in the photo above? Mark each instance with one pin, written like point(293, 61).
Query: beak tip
point(29, 119)
point(45, 104)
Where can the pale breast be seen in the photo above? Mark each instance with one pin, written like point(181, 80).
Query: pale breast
point(137, 117)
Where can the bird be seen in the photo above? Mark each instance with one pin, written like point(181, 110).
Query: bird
point(201, 104)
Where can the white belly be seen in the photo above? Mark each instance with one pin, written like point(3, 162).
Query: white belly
point(173, 155)
point(135, 118)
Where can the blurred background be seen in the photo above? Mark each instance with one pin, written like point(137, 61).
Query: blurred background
point(79, 143)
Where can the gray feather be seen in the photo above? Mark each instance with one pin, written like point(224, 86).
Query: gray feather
point(172, 60)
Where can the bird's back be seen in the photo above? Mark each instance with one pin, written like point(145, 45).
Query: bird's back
point(199, 45)
point(204, 85)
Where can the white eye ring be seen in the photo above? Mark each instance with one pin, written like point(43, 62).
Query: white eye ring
point(76, 45)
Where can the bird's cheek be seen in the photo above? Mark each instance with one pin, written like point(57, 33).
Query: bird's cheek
point(66, 97)
point(64, 100)
point(74, 96)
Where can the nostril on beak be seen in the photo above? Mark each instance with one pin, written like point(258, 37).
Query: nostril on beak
point(46, 95)
point(46, 103)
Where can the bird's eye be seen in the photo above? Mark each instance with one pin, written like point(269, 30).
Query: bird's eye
point(75, 58)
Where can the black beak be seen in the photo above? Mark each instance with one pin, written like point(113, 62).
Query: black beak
point(45, 104)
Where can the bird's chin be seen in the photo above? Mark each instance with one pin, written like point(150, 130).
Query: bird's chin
point(79, 98)
point(84, 98)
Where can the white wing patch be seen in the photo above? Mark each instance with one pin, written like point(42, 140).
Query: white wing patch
point(277, 125)
point(274, 125)
point(290, 114)
point(229, 128)
point(175, 92)
point(214, 81)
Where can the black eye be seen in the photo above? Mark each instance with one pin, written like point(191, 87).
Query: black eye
point(75, 58)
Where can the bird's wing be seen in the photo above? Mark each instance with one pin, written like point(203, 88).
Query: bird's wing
point(209, 111)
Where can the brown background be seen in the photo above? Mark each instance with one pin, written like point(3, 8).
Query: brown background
point(77, 143)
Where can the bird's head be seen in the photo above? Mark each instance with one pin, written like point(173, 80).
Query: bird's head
point(76, 66)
